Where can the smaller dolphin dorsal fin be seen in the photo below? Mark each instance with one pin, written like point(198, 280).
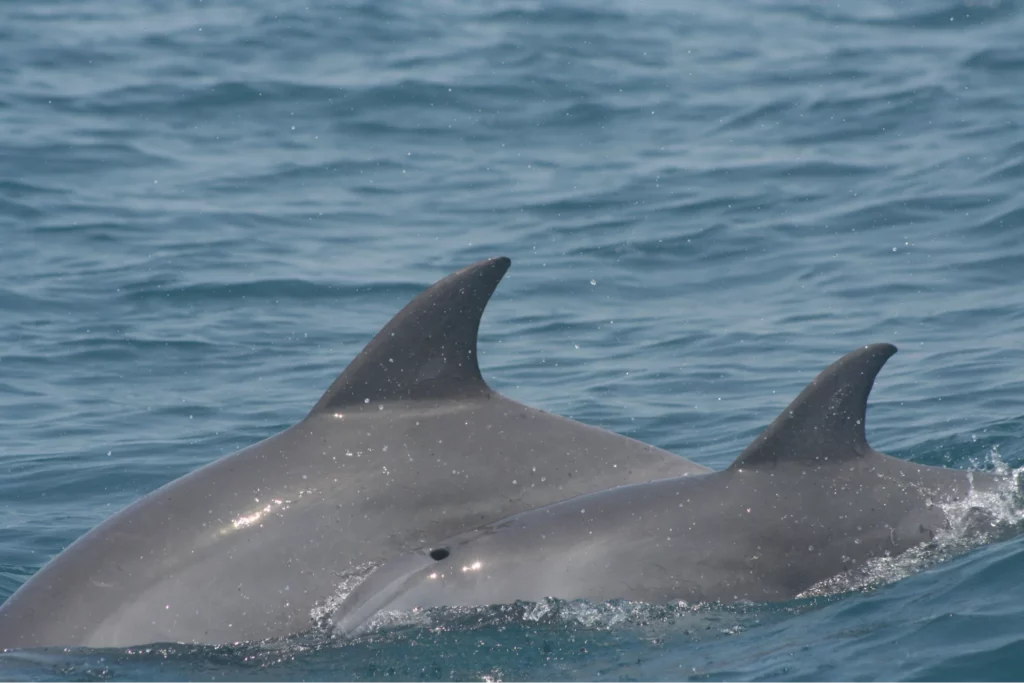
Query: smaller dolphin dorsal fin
point(826, 421)
point(428, 350)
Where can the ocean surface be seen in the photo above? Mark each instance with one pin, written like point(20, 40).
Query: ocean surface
point(207, 209)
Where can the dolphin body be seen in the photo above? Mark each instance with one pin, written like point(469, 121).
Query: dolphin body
point(407, 447)
point(808, 500)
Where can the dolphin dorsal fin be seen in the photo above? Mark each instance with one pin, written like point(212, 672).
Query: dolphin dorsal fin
point(428, 350)
point(826, 421)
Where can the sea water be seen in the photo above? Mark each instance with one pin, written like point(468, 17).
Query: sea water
point(207, 208)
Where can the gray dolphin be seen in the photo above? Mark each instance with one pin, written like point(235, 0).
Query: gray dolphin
point(407, 447)
point(808, 500)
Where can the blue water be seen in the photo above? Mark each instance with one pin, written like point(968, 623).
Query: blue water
point(207, 208)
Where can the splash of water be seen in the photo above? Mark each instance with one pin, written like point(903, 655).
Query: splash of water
point(981, 518)
point(348, 580)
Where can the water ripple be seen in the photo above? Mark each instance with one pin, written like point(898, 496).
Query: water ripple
point(207, 210)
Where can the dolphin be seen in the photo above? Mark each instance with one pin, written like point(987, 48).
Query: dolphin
point(408, 446)
point(808, 500)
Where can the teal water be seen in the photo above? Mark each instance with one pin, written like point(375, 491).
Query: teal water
point(207, 208)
